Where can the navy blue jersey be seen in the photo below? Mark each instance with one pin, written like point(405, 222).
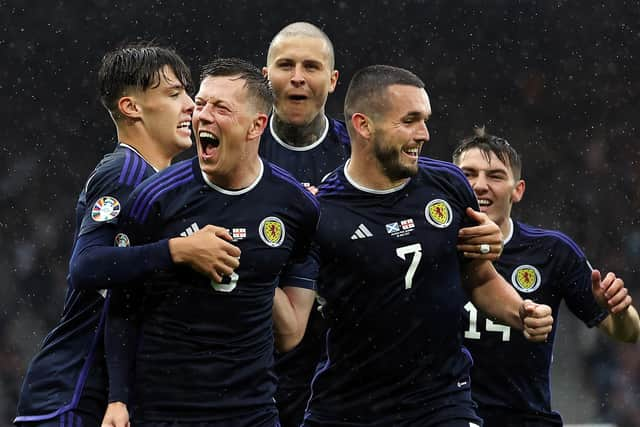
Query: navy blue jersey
point(510, 372)
point(390, 276)
point(68, 372)
point(205, 350)
point(311, 163)
point(308, 165)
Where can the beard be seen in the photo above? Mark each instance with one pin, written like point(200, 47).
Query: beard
point(389, 158)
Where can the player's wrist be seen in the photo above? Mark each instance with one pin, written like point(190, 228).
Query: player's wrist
point(176, 250)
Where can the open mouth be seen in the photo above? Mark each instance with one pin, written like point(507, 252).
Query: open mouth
point(484, 203)
point(185, 126)
point(411, 151)
point(208, 142)
point(297, 97)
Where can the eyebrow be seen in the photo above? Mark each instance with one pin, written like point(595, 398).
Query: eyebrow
point(176, 86)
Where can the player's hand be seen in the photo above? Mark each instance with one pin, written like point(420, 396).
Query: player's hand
point(473, 241)
point(610, 293)
point(536, 320)
point(312, 189)
point(207, 251)
point(116, 415)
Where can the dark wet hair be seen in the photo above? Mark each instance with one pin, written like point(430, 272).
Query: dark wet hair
point(137, 66)
point(488, 144)
point(257, 85)
point(367, 90)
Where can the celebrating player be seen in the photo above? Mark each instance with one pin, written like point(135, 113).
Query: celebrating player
point(143, 87)
point(511, 375)
point(202, 350)
point(390, 273)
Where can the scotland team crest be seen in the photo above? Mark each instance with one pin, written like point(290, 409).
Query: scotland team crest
point(526, 278)
point(272, 231)
point(438, 213)
point(106, 208)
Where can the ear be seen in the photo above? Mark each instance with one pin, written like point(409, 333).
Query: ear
point(265, 72)
point(128, 107)
point(362, 125)
point(258, 126)
point(334, 80)
point(518, 191)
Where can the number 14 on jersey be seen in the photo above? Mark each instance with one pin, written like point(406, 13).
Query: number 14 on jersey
point(473, 334)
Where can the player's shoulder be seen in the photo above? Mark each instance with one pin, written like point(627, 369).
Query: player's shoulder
point(440, 168)
point(553, 240)
point(333, 183)
point(445, 175)
point(160, 186)
point(124, 167)
point(286, 182)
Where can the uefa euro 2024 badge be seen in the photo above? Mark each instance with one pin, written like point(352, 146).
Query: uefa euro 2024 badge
point(106, 208)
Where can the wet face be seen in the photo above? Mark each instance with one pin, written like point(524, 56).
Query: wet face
point(166, 113)
point(400, 132)
point(301, 75)
point(222, 121)
point(493, 183)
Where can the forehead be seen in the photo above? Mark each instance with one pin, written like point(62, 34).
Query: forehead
point(405, 99)
point(300, 48)
point(222, 88)
point(474, 158)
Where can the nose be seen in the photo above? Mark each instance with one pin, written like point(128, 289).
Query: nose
point(189, 105)
point(204, 114)
point(479, 183)
point(297, 78)
point(422, 133)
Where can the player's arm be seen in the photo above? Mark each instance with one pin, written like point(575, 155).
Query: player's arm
point(622, 323)
point(97, 264)
point(291, 308)
point(482, 241)
point(490, 293)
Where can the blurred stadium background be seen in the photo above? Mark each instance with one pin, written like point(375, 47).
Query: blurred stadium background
point(560, 80)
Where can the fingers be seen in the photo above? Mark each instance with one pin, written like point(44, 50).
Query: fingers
point(622, 306)
point(474, 251)
point(610, 292)
point(218, 231)
point(480, 217)
point(312, 189)
point(481, 233)
point(537, 320)
point(617, 296)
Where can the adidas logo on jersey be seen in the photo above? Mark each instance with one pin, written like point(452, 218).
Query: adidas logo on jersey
point(190, 230)
point(362, 232)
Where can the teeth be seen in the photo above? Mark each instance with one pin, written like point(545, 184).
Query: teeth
point(412, 151)
point(184, 124)
point(205, 134)
point(484, 202)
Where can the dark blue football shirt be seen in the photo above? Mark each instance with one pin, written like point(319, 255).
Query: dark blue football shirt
point(308, 165)
point(390, 276)
point(203, 351)
point(68, 372)
point(511, 374)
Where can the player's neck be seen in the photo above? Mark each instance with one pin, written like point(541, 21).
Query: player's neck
point(367, 172)
point(506, 228)
point(300, 136)
point(150, 151)
point(242, 176)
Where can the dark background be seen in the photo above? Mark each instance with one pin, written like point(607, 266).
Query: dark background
point(559, 79)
